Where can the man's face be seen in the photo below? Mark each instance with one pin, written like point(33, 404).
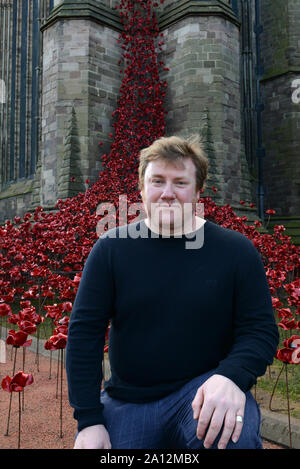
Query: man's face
point(169, 193)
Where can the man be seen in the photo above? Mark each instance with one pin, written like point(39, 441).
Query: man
point(191, 328)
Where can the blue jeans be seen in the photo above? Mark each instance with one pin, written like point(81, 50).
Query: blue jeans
point(168, 422)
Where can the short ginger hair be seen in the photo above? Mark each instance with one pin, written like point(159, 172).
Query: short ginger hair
point(173, 149)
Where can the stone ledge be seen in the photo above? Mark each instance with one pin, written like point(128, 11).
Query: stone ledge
point(172, 14)
point(89, 9)
point(183, 8)
point(280, 73)
point(17, 188)
point(274, 427)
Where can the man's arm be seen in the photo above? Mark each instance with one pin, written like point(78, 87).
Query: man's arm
point(255, 338)
point(255, 332)
point(91, 312)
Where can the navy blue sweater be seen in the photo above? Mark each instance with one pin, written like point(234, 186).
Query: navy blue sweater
point(175, 313)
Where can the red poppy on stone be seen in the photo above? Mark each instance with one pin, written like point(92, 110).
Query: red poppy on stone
point(270, 212)
point(18, 339)
point(17, 383)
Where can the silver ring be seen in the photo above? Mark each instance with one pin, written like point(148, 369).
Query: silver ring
point(239, 418)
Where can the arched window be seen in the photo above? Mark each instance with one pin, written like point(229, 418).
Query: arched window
point(20, 86)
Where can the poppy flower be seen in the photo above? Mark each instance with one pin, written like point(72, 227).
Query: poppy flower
point(292, 342)
point(18, 339)
point(287, 324)
point(67, 306)
point(13, 318)
point(64, 321)
point(17, 383)
point(284, 313)
point(5, 309)
point(63, 329)
point(55, 342)
point(53, 311)
point(27, 326)
point(284, 354)
point(276, 303)
point(38, 319)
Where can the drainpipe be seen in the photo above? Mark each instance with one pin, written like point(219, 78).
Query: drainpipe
point(260, 151)
point(247, 75)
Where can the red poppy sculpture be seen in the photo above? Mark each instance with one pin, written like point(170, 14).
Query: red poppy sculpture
point(18, 339)
point(58, 342)
point(17, 384)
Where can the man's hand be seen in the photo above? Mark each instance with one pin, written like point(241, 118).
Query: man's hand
point(219, 400)
point(93, 437)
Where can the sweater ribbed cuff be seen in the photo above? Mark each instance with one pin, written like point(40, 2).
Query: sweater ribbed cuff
point(243, 379)
point(88, 417)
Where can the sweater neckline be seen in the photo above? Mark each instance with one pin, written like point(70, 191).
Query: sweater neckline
point(183, 237)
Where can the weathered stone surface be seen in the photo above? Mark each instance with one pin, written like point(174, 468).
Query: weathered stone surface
point(86, 91)
point(202, 54)
point(203, 51)
point(281, 116)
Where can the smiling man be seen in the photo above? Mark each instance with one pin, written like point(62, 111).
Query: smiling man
point(170, 188)
point(169, 192)
point(191, 329)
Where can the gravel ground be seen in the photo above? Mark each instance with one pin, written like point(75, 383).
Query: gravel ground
point(40, 419)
